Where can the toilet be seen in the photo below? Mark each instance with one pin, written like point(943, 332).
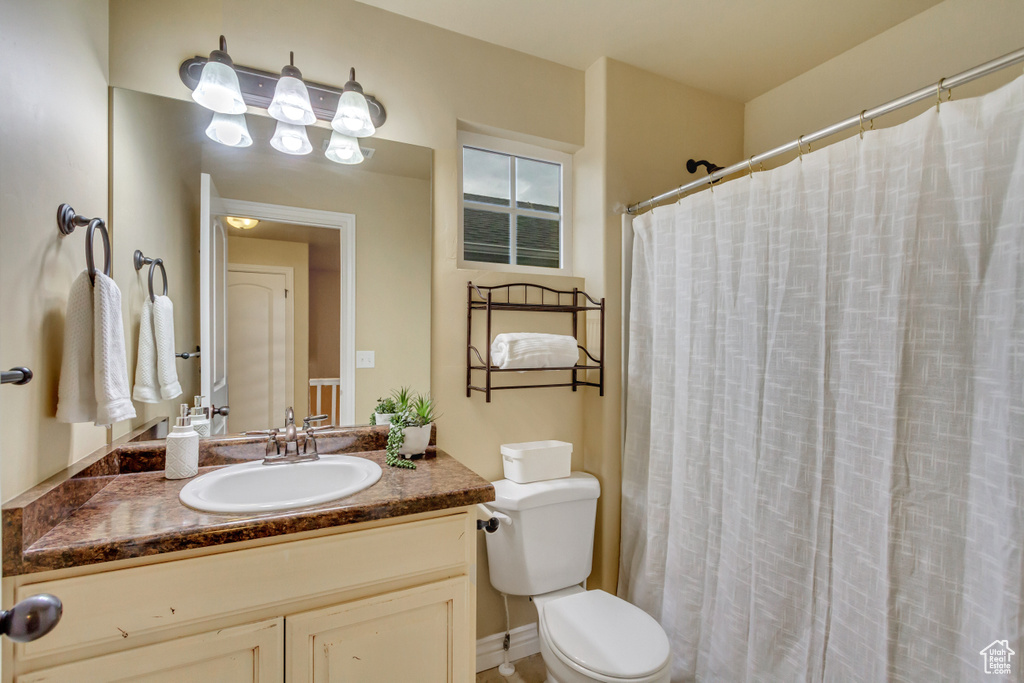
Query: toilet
point(544, 551)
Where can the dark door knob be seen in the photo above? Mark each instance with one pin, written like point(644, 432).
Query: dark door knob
point(219, 410)
point(31, 618)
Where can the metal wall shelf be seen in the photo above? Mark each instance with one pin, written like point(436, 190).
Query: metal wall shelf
point(539, 299)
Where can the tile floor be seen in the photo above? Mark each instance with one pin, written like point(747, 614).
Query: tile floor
point(528, 670)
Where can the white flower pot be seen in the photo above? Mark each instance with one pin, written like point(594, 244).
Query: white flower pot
point(383, 418)
point(416, 440)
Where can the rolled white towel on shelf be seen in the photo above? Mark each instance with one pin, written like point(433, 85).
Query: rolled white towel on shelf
point(523, 350)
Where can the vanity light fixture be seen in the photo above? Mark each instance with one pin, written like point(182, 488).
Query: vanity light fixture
point(218, 87)
point(344, 149)
point(291, 139)
point(241, 223)
point(353, 115)
point(229, 129)
point(291, 98)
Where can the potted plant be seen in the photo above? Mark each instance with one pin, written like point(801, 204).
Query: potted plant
point(409, 432)
point(403, 398)
point(383, 412)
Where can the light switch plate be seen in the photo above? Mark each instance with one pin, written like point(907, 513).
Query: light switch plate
point(364, 359)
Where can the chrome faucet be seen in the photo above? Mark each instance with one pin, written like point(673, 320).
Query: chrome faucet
point(291, 436)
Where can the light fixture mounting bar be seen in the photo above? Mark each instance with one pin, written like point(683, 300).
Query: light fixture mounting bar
point(258, 90)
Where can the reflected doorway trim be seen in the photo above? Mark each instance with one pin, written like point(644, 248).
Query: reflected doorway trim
point(346, 223)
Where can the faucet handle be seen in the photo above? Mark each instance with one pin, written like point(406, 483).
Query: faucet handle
point(308, 420)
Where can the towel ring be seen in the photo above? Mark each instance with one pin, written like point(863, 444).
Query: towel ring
point(140, 260)
point(68, 220)
point(90, 259)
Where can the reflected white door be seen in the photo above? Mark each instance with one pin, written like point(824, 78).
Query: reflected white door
point(213, 267)
point(257, 365)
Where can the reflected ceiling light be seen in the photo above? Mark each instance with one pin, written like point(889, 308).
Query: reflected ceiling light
point(353, 115)
point(229, 129)
point(344, 149)
point(218, 88)
point(291, 139)
point(241, 223)
point(291, 98)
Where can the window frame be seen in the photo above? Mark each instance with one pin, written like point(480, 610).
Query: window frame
point(488, 143)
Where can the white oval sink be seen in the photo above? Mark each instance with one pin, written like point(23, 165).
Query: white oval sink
point(255, 487)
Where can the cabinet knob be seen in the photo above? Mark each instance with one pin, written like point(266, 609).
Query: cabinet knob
point(31, 618)
point(223, 411)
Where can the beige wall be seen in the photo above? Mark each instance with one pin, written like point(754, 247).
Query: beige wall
point(154, 171)
point(325, 323)
point(294, 255)
point(53, 149)
point(636, 147)
point(946, 39)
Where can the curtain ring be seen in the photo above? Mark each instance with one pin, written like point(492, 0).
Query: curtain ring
point(799, 147)
point(750, 164)
point(938, 94)
point(861, 116)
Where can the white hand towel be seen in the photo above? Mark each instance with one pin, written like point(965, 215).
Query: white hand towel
point(110, 362)
point(76, 398)
point(163, 333)
point(146, 389)
point(531, 350)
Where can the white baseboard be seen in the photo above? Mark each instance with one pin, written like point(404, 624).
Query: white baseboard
point(525, 642)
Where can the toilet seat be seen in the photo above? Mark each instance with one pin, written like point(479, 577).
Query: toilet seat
point(597, 633)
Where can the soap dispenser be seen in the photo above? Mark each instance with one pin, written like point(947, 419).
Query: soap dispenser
point(200, 419)
point(182, 450)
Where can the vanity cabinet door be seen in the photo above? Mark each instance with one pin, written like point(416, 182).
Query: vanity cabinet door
point(245, 654)
point(421, 634)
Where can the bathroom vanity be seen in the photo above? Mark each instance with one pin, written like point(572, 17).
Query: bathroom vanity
point(378, 586)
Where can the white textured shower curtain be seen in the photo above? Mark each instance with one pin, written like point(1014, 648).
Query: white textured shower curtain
point(824, 465)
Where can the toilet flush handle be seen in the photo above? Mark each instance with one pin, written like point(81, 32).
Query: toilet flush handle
point(489, 519)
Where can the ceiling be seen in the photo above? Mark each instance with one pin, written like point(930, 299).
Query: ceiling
point(735, 48)
point(324, 243)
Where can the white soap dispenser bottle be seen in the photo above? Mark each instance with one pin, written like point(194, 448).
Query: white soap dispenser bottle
point(182, 450)
point(200, 420)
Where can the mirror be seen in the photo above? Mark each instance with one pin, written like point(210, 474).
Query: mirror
point(303, 282)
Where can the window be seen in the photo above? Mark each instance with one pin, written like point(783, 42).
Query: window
point(515, 206)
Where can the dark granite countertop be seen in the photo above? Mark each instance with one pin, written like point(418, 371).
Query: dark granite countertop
point(115, 504)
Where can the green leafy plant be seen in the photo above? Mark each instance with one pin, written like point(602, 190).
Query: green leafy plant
point(384, 406)
point(396, 438)
point(422, 411)
point(403, 398)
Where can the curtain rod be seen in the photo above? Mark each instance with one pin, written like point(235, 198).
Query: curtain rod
point(934, 90)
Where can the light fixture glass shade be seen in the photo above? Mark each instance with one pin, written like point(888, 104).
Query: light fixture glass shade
point(353, 115)
point(291, 102)
point(344, 149)
point(290, 139)
point(241, 223)
point(218, 89)
point(230, 130)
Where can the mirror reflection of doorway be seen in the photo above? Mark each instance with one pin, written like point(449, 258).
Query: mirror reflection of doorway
point(284, 321)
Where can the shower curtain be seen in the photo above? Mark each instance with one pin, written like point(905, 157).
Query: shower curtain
point(823, 477)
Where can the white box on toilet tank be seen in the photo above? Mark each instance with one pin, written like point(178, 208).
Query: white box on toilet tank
point(531, 461)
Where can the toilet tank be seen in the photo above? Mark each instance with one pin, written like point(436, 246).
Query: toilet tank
point(550, 543)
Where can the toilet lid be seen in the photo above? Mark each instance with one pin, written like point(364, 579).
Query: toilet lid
point(606, 635)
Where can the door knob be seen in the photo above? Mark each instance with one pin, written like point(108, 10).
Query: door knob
point(219, 410)
point(31, 618)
